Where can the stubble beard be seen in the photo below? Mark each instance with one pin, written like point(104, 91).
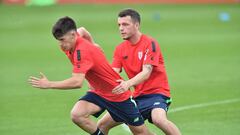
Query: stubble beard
point(127, 38)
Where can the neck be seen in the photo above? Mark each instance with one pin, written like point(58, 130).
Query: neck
point(135, 38)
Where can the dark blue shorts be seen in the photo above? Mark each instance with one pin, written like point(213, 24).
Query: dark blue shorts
point(147, 103)
point(126, 111)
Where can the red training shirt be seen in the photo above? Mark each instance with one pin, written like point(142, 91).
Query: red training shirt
point(133, 57)
point(90, 60)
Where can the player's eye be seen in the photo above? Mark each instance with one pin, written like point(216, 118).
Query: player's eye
point(61, 39)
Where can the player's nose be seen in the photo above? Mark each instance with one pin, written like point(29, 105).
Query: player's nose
point(120, 28)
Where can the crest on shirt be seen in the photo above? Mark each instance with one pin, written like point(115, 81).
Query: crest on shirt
point(140, 55)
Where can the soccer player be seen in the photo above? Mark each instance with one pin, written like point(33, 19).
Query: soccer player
point(141, 58)
point(89, 62)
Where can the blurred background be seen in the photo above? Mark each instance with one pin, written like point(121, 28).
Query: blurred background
point(199, 39)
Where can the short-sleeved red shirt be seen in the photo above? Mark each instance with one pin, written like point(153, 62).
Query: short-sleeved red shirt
point(90, 60)
point(133, 57)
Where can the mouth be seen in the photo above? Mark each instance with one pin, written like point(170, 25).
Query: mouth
point(63, 48)
point(123, 34)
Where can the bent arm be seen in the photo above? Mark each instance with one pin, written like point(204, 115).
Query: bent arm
point(86, 35)
point(73, 82)
point(139, 78)
point(142, 76)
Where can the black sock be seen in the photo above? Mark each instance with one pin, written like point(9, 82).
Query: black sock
point(98, 132)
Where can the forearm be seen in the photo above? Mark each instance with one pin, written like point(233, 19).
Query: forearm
point(142, 76)
point(71, 83)
point(65, 84)
point(139, 78)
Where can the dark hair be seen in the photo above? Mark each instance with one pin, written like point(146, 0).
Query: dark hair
point(132, 13)
point(62, 26)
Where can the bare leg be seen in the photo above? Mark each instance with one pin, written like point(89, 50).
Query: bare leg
point(159, 118)
point(140, 130)
point(106, 123)
point(80, 115)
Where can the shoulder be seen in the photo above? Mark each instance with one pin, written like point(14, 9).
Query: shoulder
point(84, 45)
point(82, 49)
point(148, 38)
point(150, 41)
point(121, 45)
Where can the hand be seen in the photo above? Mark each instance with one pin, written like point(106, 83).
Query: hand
point(122, 87)
point(42, 82)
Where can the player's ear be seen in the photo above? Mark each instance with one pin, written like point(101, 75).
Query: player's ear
point(137, 25)
point(73, 33)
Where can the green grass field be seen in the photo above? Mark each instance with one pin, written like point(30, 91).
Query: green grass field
point(202, 56)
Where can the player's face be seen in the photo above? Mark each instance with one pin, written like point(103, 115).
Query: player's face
point(67, 41)
point(127, 27)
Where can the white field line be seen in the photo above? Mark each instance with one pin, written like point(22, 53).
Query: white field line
point(188, 107)
point(183, 108)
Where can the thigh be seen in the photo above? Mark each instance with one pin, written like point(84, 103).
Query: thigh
point(107, 122)
point(96, 100)
point(126, 112)
point(148, 103)
point(85, 108)
point(158, 114)
point(139, 130)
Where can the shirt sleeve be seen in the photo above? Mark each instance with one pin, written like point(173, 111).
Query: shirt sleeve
point(82, 61)
point(152, 54)
point(117, 60)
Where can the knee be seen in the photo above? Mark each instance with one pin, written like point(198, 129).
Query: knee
point(77, 117)
point(74, 117)
point(160, 121)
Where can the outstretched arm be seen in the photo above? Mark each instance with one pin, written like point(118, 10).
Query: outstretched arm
point(139, 78)
point(73, 82)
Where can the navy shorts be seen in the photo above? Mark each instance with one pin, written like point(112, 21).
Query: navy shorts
point(125, 111)
point(147, 103)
